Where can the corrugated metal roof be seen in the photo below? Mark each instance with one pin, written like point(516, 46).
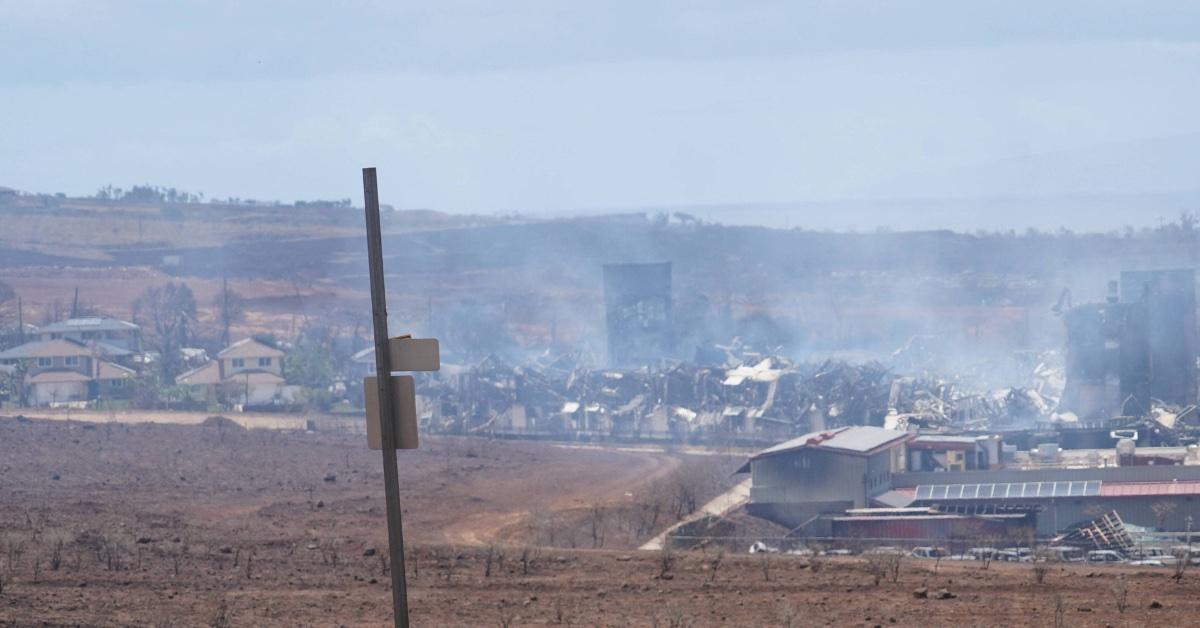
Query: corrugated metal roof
point(1139, 489)
point(859, 439)
point(926, 441)
point(761, 372)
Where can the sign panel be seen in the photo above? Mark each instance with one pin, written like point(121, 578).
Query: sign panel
point(414, 354)
point(404, 405)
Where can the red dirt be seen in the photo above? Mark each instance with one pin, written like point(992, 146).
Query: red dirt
point(131, 502)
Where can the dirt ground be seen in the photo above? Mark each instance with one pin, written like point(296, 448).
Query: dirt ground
point(215, 525)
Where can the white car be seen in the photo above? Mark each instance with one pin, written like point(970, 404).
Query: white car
point(928, 552)
point(1156, 554)
point(1105, 557)
point(983, 553)
point(1065, 554)
point(758, 547)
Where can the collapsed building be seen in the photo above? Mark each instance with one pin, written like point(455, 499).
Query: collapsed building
point(756, 400)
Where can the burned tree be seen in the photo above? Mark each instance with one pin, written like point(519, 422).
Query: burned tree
point(230, 308)
point(170, 313)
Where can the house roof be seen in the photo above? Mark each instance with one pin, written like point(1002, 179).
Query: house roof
point(57, 348)
point(111, 350)
point(205, 374)
point(108, 370)
point(58, 377)
point(91, 323)
point(249, 348)
point(859, 440)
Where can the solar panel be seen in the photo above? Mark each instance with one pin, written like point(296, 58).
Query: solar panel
point(1011, 490)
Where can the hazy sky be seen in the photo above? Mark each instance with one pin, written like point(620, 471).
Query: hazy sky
point(532, 106)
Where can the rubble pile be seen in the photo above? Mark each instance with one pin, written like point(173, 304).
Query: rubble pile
point(752, 398)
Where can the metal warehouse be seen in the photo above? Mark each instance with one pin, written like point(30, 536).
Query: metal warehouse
point(854, 481)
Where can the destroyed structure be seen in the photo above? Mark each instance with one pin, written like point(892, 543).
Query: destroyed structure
point(637, 307)
point(751, 399)
point(1136, 348)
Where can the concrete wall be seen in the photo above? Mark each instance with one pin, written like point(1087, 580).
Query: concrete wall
point(809, 475)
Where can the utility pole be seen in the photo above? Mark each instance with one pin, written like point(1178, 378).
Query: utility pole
point(383, 370)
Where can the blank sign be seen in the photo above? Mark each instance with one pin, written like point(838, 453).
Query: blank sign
point(404, 407)
point(414, 354)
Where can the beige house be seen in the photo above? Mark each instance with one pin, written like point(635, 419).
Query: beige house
point(247, 372)
point(95, 329)
point(68, 371)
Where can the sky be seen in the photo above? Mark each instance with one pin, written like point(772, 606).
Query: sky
point(560, 107)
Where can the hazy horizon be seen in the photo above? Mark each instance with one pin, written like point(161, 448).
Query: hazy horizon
point(551, 109)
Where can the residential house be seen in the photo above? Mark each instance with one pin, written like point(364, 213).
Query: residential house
point(247, 373)
point(68, 371)
point(95, 329)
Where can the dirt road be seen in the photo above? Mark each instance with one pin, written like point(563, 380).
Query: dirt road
point(611, 477)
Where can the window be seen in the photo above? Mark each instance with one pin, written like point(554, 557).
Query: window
point(118, 383)
point(45, 362)
point(239, 363)
point(55, 336)
point(71, 360)
point(264, 362)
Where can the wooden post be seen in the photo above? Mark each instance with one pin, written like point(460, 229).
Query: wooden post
point(383, 370)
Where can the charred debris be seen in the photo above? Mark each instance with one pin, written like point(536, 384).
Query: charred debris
point(1128, 371)
point(749, 399)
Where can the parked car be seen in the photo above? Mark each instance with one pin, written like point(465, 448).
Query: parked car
point(1105, 557)
point(758, 547)
point(982, 553)
point(929, 552)
point(1012, 556)
point(1065, 554)
point(837, 552)
point(884, 549)
point(1025, 554)
point(1157, 554)
point(1192, 554)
